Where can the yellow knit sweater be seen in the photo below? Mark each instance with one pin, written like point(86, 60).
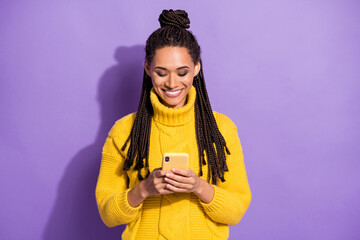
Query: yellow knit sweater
point(177, 215)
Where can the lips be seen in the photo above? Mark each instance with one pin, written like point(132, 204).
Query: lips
point(173, 93)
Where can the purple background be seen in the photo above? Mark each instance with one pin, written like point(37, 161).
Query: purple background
point(286, 72)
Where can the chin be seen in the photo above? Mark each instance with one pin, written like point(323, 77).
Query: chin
point(173, 103)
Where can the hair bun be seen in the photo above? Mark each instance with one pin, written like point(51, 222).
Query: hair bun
point(177, 18)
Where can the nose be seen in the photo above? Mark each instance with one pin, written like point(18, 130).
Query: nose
point(172, 81)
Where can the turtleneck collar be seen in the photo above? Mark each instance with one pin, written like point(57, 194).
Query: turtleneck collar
point(173, 116)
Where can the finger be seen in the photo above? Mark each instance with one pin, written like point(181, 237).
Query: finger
point(160, 173)
point(157, 174)
point(154, 172)
point(163, 189)
point(158, 181)
point(178, 184)
point(176, 189)
point(164, 172)
point(180, 178)
point(186, 173)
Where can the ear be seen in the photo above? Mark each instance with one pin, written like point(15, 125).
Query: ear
point(197, 69)
point(147, 68)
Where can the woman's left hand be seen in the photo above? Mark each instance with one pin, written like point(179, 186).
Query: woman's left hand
point(187, 181)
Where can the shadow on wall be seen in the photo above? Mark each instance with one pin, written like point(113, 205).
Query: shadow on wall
point(75, 214)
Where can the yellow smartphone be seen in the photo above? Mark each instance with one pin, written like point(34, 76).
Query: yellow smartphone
point(175, 160)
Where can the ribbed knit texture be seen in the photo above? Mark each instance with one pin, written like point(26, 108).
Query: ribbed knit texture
point(178, 215)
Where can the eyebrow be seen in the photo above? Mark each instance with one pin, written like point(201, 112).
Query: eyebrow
point(177, 68)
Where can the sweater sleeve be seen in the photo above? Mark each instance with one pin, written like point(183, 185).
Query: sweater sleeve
point(112, 185)
point(232, 197)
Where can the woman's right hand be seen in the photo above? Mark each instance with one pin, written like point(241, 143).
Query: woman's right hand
point(154, 184)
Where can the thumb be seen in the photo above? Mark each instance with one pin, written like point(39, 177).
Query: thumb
point(156, 172)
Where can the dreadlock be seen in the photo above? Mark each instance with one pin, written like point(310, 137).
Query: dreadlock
point(173, 33)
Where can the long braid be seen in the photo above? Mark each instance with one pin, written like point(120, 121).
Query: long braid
point(173, 33)
point(140, 133)
point(216, 159)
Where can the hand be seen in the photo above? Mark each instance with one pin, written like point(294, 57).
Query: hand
point(154, 184)
point(187, 181)
point(182, 181)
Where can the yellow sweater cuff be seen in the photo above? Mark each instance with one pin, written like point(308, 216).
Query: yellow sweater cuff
point(217, 202)
point(122, 202)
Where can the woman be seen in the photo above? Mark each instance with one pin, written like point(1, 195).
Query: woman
point(174, 115)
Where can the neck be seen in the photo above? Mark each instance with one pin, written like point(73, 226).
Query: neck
point(174, 116)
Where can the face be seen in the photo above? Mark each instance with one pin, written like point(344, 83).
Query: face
point(172, 71)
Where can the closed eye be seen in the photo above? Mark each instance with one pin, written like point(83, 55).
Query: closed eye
point(182, 74)
point(161, 74)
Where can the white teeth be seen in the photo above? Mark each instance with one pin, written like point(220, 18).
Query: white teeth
point(173, 93)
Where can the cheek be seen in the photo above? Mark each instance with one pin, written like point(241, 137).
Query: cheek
point(156, 82)
point(189, 79)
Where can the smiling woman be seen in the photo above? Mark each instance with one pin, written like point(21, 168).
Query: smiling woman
point(174, 116)
point(172, 72)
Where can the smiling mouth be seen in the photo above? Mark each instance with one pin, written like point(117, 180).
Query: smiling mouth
point(173, 93)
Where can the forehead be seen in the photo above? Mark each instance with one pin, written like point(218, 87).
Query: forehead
point(172, 57)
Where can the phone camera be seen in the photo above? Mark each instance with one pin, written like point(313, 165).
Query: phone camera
point(167, 159)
